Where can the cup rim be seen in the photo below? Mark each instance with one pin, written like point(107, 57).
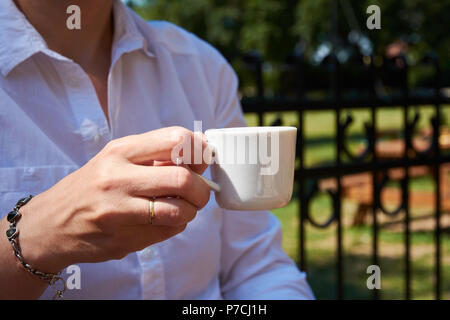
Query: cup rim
point(258, 129)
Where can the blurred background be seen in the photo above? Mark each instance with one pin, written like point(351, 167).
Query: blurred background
point(373, 112)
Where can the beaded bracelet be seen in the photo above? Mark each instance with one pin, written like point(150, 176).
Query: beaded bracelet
point(13, 237)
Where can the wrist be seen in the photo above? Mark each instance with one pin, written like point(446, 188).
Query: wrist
point(37, 244)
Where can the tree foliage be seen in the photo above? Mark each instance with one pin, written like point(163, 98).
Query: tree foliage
point(277, 28)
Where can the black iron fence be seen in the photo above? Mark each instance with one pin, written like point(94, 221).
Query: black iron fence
point(342, 88)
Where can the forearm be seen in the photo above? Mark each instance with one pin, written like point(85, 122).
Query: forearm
point(101, 211)
point(15, 281)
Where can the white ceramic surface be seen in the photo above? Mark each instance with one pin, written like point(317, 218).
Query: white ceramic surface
point(247, 184)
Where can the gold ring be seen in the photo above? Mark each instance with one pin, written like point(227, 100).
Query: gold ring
point(152, 211)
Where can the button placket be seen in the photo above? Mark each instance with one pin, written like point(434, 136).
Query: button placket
point(152, 274)
point(89, 117)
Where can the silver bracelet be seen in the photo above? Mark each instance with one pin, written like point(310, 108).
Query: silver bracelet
point(12, 234)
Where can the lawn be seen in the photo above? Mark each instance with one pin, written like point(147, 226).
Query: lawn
point(357, 241)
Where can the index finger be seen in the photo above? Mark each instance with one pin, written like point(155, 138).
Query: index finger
point(166, 144)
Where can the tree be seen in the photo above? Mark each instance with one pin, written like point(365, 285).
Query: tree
point(276, 28)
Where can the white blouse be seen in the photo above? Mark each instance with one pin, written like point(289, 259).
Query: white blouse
point(51, 123)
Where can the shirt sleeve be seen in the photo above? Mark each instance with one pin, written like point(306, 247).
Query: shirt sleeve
point(253, 264)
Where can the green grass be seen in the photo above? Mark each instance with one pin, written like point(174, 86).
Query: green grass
point(320, 244)
point(321, 256)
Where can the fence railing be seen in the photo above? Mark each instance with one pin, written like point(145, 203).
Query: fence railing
point(371, 94)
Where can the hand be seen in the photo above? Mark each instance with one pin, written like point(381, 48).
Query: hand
point(101, 211)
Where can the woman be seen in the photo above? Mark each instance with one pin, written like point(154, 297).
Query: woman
point(88, 120)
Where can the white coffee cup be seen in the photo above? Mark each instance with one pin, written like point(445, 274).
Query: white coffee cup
point(254, 166)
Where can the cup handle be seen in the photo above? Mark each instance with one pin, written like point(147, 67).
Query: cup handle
point(214, 186)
